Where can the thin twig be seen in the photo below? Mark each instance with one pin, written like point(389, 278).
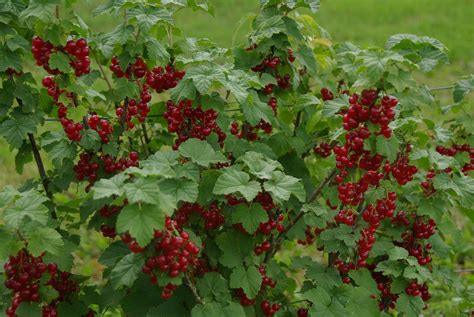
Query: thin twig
point(193, 289)
point(312, 197)
point(101, 69)
point(464, 271)
point(297, 122)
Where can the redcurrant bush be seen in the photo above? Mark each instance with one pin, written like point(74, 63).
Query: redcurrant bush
point(289, 176)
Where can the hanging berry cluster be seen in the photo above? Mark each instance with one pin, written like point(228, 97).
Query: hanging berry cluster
point(212, 216)
point(188, 122)
point(77, 50)
point(27, 274)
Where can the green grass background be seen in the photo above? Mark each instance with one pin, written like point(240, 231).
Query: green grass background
point(364, 22)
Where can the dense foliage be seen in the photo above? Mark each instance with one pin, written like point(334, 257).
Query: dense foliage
point(290, 177)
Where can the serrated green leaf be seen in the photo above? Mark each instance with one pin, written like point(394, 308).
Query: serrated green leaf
point(59, 61)
point(126, 271)
point(44, 239)
point(255, 110)
point(331, 107)
point(282, 186)
point(235, 248)
point(14, 131)
point(213, 286)
point(140, 221)
point(30, 205)
point(182, 190)
point(249, 280)
point(200, 152)
point(462, 88)
point(410, 305)
point(249, 217)
point(109, 187)
point(232, 181)
point(90, 140)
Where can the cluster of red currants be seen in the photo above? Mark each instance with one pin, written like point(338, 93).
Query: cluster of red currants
point(401, 169)
point(126, 111)
point(80, 51)
point(138, 68)
point(250, 132)
point(174, 254)
point(323, 150)
point(326, 94)
point(89, 166)
point(188, 122)
point(373, 214)
point(456, 149)
point(268, 308)
point(244, 300)
point(163, 79)
point(415, 289)
point(42, 51)
point(266, 281)
point(346, 216)
point(212, 216)
point(311, 235)
point(101, 126)
point(25, 276)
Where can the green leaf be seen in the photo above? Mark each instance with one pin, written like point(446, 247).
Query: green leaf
point(143, 190)
point(232, 181)
point(109, 187)
point(259, 165)
point(326, 278)
point(184, 90)
point(41, 9)
point(44, 239)
point(204, 76)
point(60, 150)
point(125, 88)
point(29, 310)
point(90, 140)
point(361, 304)
point(9, 59)
point(156, 50)
point(59, 61)
point(410, 305)
point(200, 152)
point(462, 88)
point(213, 286)
point(266, 25)
point(255, 110)
point(235, 248)
point(282, 186)
point(249, 217)
point(363, 278)
point(148, 16)
point(140, 221)
point(397, 253)
point(115, 251)
point(331, 107)
point(182, 190)
point(30, 205)
point(249, 280)
point(126, 271)
point(305, 56)
point(387, 147)
point(15, 130)
point(207, 310)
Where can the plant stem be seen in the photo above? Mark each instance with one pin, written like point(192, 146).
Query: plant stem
point(193, 289)
point(297, 122)
point(313, 196)
point(101, 69)
point(41, 169)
